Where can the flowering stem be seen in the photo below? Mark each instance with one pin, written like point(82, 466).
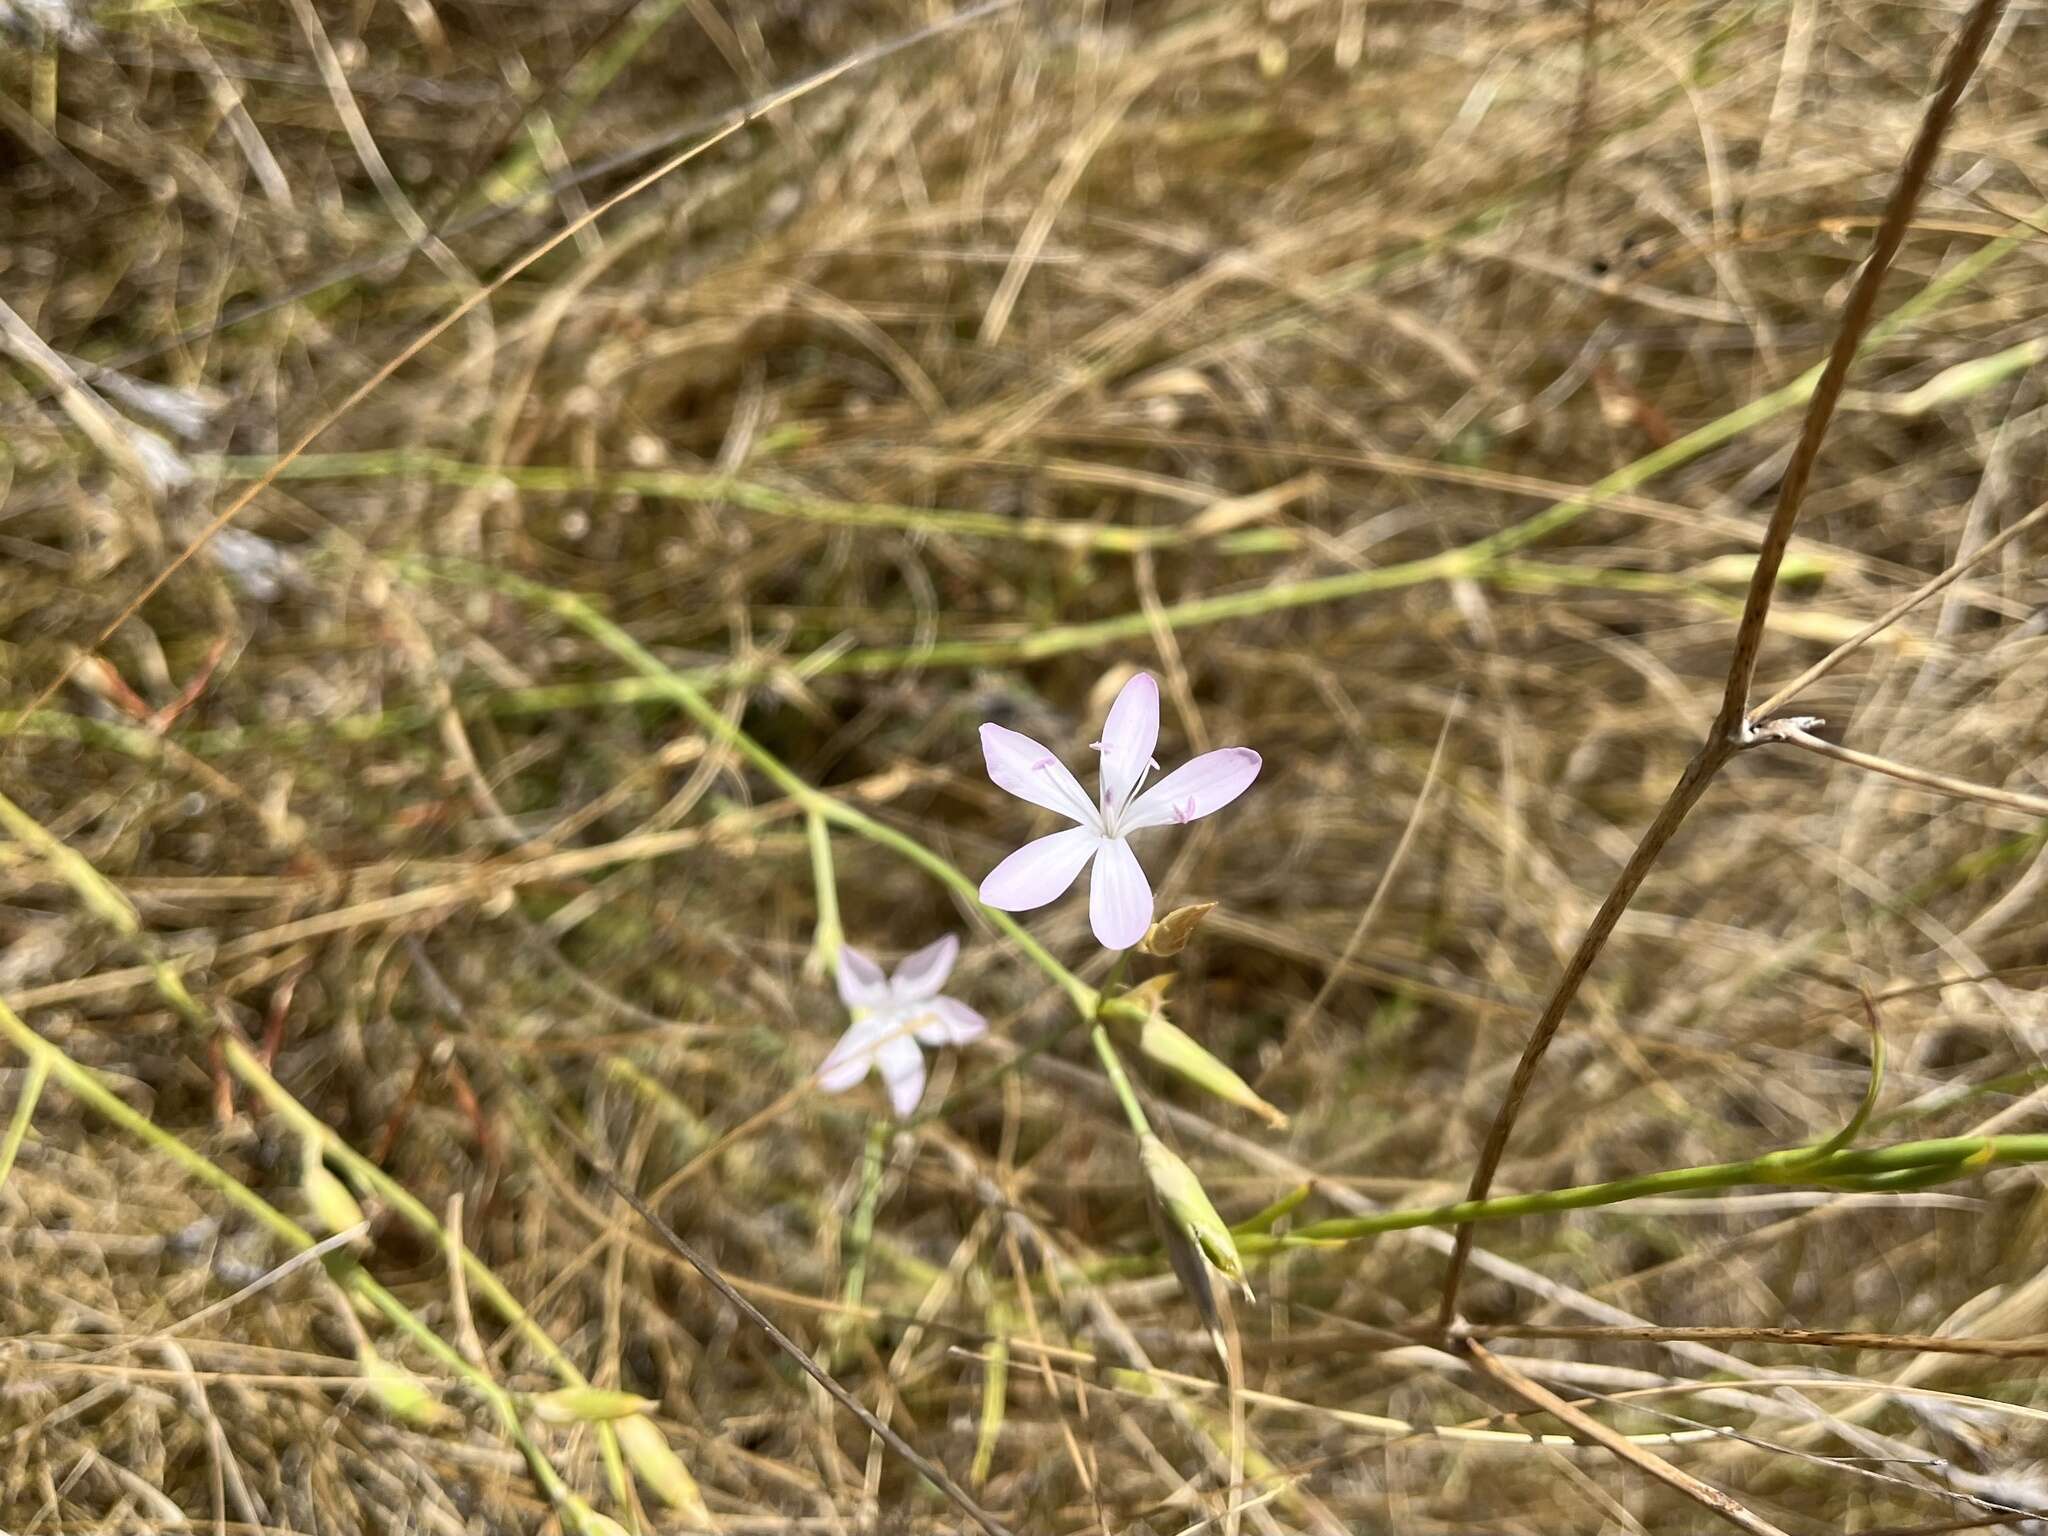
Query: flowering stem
point(1126, 1095)
point(830, 935)
point(1906, 1164)
point(90, 1089)
point(815, 802)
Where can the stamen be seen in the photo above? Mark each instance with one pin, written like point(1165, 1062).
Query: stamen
point(1183, 814)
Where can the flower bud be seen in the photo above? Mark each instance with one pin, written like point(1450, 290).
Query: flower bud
point(586, 1405)
point(328, 1201)
point(661, 1469)
point(1186, 1207)
point(580, 1519)
point(1796, 568)
point(1174, 1049)
point(400, 1393)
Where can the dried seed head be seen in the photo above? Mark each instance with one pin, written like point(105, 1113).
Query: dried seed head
point(1170, 935)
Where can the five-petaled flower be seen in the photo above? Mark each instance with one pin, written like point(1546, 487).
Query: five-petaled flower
point(891, 1014)
point(1119, 896)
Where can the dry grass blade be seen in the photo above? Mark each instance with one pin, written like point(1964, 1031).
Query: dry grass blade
point(796, 1353)
point(1805, 1338)
point(1704, 1494)
point(1893, 614)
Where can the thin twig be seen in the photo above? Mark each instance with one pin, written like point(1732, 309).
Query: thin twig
point(1732, 730)
point(1635, 1455)
point(1940, 783)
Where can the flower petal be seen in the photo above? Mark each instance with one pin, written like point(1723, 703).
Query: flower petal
point(1119, 897)
point(861, 982)
point(1128, 737)
point(902, 1065)
point(922, 974)
point(950, 1022)
point(1194, 789)
point(1041, 870)
point(854, 1054)
point(1032, 772)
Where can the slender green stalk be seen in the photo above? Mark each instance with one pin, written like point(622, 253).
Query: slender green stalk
point(829, 934)
point(1113, 1067)
point(24, 1112)
point(105, 901)
point(680, 485)
point(1907, 1164)
point(862, 1233)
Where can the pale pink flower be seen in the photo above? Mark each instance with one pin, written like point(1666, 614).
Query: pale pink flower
point(1119, 896)
point(891, 1014)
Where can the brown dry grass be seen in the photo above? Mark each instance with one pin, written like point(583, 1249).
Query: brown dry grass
point(1357, 284)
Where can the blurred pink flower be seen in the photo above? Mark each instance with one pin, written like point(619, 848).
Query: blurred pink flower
point(1119, 896)
point(891, 1014)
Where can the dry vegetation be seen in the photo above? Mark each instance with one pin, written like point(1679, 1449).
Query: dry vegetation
point(1268, 348)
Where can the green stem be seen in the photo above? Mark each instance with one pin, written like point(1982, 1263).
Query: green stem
point(678, 485)
point(1126, 1095)
point(829, 934)
point(1893, 1167)
point(862, 1234)
point(24, 1111)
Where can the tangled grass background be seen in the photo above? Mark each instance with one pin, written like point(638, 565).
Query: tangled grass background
point(1374, 375)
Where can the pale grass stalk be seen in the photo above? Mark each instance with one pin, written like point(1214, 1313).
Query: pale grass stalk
point(1905, 773)
point(1540, 1396)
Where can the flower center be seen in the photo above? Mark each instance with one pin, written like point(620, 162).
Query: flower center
point(1113, 806)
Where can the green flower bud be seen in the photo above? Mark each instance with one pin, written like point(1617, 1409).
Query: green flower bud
point(401, 1394)
point(586, 1405)
point(1174, 1049)
point(661, 1469)
point(580, 1518)
point(328, 1200)
point(1186, 1207)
